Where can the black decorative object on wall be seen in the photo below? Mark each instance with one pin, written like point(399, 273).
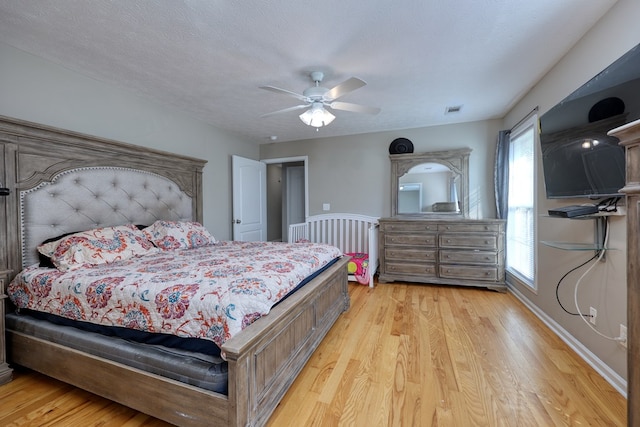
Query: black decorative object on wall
point(401, 146)
point(606, 108)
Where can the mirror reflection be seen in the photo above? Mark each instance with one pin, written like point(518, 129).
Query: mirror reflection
point(434, 183)
point(426, 188)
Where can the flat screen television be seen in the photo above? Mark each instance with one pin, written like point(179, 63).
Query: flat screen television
point(579, 159)
point(584, 162)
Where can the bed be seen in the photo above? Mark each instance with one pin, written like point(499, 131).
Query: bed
point(354, 234)
point(64, 182)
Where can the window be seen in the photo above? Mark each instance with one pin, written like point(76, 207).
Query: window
point(521, 222)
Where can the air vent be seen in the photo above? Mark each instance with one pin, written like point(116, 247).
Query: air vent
point(453, 109)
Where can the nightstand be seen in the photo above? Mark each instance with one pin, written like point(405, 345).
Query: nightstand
point(5, 371)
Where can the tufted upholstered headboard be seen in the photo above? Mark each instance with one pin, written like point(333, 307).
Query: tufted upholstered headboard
point(63, 181)
point(86, 198)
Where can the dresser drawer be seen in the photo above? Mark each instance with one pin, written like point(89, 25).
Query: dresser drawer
point(403, 254)
point(468, 257)
point(410, 239)
point(469, 272)
point(468, 227)
point(408, 226)
point(422, 270)
point(444, 251)
point(473, 241)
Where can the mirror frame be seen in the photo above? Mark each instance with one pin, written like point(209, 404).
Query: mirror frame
point(456, 160)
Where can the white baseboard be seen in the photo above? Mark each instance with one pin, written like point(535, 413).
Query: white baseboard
point(612, 377)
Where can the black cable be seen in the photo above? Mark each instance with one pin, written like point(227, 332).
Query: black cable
point(597, 254)
point(565, 275)
point(609, 205)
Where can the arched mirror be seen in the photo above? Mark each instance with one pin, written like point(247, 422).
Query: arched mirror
point(431, 184)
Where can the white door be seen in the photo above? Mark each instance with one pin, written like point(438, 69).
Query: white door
point(249, 199)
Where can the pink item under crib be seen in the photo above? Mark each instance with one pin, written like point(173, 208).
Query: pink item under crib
point(354, 234)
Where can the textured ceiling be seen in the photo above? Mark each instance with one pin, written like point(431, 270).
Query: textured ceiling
point(209, 57)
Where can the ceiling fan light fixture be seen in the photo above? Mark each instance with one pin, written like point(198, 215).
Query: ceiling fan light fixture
point(316, 98)
point(317, 116)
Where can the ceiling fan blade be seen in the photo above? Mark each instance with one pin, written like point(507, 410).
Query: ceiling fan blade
point(343, 88)
point(286, 110)
point(356, 108)
point(285, 92)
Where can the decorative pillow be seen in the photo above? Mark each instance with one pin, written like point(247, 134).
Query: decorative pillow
point(98, 246)
point(170, 235)
point(45, 261)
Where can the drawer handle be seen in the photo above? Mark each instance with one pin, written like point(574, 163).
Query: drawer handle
point(486, 242)
point(448, 227)
point(448, 240)
point(487, 273)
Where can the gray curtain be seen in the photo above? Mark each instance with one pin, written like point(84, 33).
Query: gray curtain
point(501, 173)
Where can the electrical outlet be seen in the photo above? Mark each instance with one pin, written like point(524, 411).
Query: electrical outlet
point(593, 313)
point(623, 335)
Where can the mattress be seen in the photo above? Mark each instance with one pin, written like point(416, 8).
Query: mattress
point(198, 369)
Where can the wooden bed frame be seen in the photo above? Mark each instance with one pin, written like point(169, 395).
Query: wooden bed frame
point(263, 360)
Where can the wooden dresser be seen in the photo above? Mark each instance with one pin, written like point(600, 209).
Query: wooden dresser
point(629, 136)
point(5, 371)
point(442, 251)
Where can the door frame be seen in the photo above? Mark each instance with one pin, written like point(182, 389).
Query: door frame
point(305, 161)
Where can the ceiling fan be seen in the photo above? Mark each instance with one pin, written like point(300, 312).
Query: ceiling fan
point(316, 98)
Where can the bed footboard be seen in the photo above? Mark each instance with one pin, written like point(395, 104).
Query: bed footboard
point(264, 362)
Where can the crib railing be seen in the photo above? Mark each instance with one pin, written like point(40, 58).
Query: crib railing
point(348, 232)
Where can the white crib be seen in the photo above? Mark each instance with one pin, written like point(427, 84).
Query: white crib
point(348, 232)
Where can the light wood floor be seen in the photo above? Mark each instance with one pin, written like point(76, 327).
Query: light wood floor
point(403, 355)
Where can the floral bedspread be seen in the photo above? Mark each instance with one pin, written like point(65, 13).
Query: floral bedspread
point(210, 292)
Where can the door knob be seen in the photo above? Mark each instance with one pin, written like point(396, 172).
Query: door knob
point(237, 221)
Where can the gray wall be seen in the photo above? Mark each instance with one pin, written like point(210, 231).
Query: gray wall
point(352, 173)
point(40, 91)
point(605, 287)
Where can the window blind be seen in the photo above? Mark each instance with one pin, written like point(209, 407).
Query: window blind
point(521, 202)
